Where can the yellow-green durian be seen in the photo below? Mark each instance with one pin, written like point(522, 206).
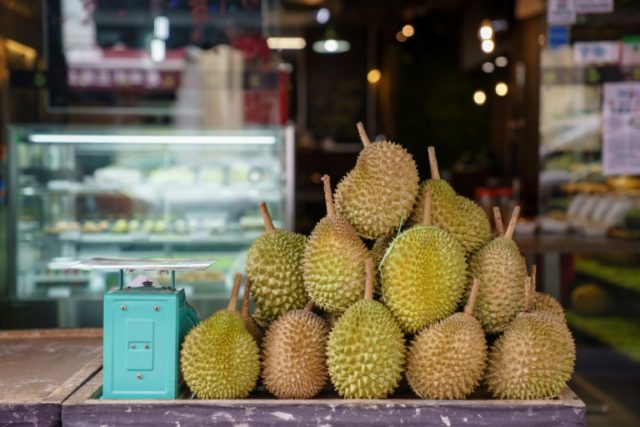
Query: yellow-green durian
point(501, 269)
point(462, 218)
point(333, 261)
point(366, 349)
point(219, 357)
point(274, 265)
point(533, 359)
point(294, 355)
point(424, 273)
point(544, 302)
point(378, 194)
point(447, 360)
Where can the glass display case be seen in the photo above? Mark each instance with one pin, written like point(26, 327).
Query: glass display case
point(77, 193)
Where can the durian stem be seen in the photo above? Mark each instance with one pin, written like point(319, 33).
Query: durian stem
point(233, 299)
point(534, 272)
point(309, 306)
point(527, 294)
point(512, 222)
point(244, 310)
point(363, 135)
point(426, 210)
point(471, 302)
point(497, 217)
point(328, 196)
point(433, 163)
point(266, 218)
point(368, 279)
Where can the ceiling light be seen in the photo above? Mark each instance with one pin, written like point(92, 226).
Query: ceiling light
point(331, 43)
point(479, 97)
point(161, 27)
point(373, 76)
point(323, 15)
point(501, 88)
point(502, 61)
point(487, 46)
point(488, 67)
point(401, 37)
point(486, 30)
point(283, 43)
point(157, 50)
point(408, 30)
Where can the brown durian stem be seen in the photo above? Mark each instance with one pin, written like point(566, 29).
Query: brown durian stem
point(512, 223)
point(328, 196)
point(528, 297)
point(534, 272)
point(497, 217)
point(368, 279)
point(426, 210)
point(433, 163)
point(233, 299)
point(244, 310)
point(309, 306)
point(266, 218)
point(363, 135)
point(471, 302)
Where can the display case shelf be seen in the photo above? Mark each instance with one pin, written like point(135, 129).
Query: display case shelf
point(624, 277)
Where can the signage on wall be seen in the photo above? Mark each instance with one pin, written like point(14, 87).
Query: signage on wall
point(561, 12)
point(596, 53)
point(593, 6)
point(621, 129)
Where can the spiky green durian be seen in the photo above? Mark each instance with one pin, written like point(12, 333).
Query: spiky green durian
point(219, 357)
point(378, 194)
point(333, 261)
point(423, 274)
point(533, 359)
point(294, 355)
point(501, 269)
point(447, 360)
point(274, 265)
point(366, 349)
point(541, 301)
point(249, 322)
point(462, 218)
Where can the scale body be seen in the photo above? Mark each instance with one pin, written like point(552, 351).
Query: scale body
point(144, 327)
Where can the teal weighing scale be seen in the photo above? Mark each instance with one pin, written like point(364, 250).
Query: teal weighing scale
point(144, 325)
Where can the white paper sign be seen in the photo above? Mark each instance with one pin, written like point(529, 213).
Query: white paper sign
point(593, 6)
point(621, 129)
point(561, 12)
point(594, 53)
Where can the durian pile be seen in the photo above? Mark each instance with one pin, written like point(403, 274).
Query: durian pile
point(400, 278)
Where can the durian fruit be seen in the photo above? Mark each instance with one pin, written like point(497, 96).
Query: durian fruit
point(455, 214)
point(424, 273)
point(447, 360)
point(533, 359)
point(249, 322)
point(333, 261)
point(219, 357)
point(544, 302)
point(378, 194)
point(274, 265)
point(501, 269)
point(366, 349)
point(378, 251)
point(294, 358)
point(590, 299)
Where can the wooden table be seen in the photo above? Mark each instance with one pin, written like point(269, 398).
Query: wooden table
point(39, 369)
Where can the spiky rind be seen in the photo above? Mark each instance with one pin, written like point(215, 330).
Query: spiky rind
point(545, 302)
point(423, 277)
point(447, 360)
point(275, 269)
point(501, 269)
point(366, 352)
point(533, 359)
point(294, 358)
point(219, 358)
point(333, 265)
point(380, 191)
point(461, 217)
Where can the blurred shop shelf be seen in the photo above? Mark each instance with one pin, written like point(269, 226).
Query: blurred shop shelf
point(624, 277)
point(574, 244)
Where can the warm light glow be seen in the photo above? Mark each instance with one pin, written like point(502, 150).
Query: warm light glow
point(282, 43)
point(501, 88)
point(408, 30)
point(479, 97)
point(373, 76)
point(331, 46)
point(487, 46)
point(488, 67)
point(400, 37)
point(157, 50)
point(502, 61)
point(486, 32)
point(150, 139)
point(20, 49)
point(323, 15)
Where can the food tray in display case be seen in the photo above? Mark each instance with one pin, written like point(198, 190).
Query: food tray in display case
point(80, 192)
